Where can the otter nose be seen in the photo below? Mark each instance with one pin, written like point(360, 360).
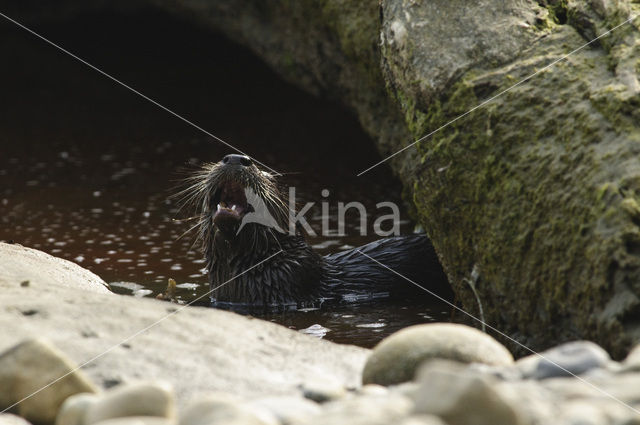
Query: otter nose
point(234, 159)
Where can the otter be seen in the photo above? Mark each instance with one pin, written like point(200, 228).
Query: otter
point(256, 259)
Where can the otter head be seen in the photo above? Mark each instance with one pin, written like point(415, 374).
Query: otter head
point(239, 199)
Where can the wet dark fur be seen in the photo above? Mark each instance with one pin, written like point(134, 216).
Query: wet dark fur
point(296, 275)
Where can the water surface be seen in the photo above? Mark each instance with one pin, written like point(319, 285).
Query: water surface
point(87, 168)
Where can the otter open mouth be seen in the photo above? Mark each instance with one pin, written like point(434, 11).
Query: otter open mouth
point(231, 204)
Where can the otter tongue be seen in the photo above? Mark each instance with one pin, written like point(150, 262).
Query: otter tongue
point(233, 207)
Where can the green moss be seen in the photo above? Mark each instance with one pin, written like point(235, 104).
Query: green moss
point(517, 190)
point(288, 61)
point(602, 191)
point(631, 206)
point(415, 119)
point(548, 19)
point(357, 27)
point(558, 10)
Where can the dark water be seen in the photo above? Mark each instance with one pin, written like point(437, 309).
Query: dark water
point(87, 167)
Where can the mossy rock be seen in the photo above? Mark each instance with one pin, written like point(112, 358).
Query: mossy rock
point(536, 191)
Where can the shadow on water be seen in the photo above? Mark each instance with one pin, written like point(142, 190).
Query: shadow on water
point(87, 167)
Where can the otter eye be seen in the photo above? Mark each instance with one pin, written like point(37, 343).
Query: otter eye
point(246, 161)
point(225, 159)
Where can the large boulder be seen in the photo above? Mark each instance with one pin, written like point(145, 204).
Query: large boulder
point(25, 267)
point(197, 350)
point(535, 197)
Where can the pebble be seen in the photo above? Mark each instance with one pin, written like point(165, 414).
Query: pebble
point(74, 409)
point(33, 365)
point(422, 420)
point(504, 373)
point(138, 420)
point(396, 358)
point(288, 409)
point(442, 392)
point(624, 387)
point(364, 410)
point(633, 359)
point(460, 397)
point(134, 399)
point(221, 409)
point(566, 359)
point(323, 391)
point(596, 412)
point(570, 388)
point(406, 388)
point(9, 419)
point(373, 390)
point(536, 403)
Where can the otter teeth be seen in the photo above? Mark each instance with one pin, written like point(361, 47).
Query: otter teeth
point(224, 205)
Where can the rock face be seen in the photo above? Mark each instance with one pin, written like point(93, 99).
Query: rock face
point(536, 194)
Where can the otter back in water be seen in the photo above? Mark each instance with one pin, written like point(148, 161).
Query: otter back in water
point(256, 258)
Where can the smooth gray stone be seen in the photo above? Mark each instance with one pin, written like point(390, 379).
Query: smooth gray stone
point(221, 409)
point(288, 409)
point(396, 358)
point(136, 399)
point(461, 397)
point(322, 391)
point(572, 358)
point(74, 409)
point(364, 410)
point(138, 420)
